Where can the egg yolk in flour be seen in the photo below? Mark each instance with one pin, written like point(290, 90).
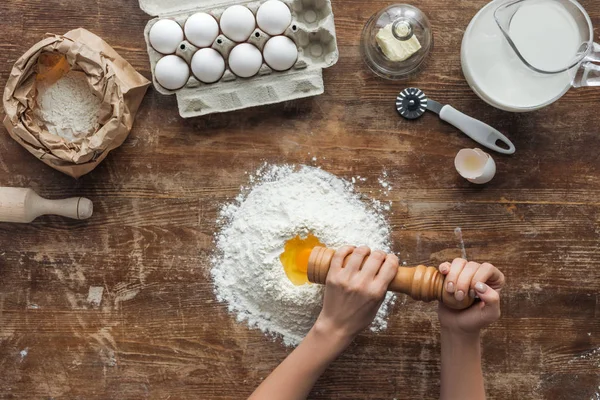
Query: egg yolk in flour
point(295, 257)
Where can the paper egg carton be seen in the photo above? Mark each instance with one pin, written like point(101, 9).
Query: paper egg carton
point(312, 29)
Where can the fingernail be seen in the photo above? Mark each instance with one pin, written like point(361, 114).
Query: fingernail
point(471, 293)
point(450, 287)
point(460, 295)
point(481, 287)
point(444, 269)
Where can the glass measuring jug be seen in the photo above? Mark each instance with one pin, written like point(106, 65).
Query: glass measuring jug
point(522, 55)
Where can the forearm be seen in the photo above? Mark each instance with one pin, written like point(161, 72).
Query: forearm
point(462, 377)
point(296, 375)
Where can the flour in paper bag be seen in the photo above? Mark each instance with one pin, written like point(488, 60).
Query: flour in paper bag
point(68, 108)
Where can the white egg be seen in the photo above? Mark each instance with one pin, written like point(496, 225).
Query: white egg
point(165, 35)
point(475, 165)
point(274, 17)
point(172, 72)
point(238, 23)
point(208, 65)
point(280, 53)
point(245, 60)
point(201, 29)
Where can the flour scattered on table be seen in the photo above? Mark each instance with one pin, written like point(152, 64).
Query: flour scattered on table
point(385, 190)
point(23, 353)
point(285, 201)
point(95, 295)
point(68, 108)
point(461, 242)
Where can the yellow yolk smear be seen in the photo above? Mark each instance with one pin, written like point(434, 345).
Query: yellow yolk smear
point(295, 257)
point(52, 67)
point(474, 163)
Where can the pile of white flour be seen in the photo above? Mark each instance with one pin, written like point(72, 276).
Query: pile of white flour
point(68, 108)
point(283, 202)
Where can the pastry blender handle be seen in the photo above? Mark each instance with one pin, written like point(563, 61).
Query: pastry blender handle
point(478, 131)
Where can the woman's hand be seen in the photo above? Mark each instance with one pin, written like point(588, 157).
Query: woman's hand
point(462, 377)
point(469, 279)
point(356, 286)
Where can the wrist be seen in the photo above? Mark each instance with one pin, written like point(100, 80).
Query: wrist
point(461, 374)
point(461, 336)
point(325, 331)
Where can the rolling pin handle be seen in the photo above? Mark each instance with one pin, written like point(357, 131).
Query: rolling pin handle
point(74, 207)
point(421, 283)
point(85, 208)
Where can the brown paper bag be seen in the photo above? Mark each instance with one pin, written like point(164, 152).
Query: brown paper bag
point(112, 79)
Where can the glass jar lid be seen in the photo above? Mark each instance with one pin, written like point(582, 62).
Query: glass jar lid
point(396, 41)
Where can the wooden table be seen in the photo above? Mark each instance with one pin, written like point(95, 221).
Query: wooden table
point(160, 333)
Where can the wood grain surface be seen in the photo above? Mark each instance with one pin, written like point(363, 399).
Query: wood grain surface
point(159, 333)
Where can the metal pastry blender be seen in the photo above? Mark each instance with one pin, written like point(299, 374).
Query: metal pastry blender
point(411, 103)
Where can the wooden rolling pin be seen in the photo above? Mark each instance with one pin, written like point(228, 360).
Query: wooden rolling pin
point(24, 205)
point(421, 283)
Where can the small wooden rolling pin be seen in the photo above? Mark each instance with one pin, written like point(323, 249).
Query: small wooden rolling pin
point(24, 205)
point(421, 283)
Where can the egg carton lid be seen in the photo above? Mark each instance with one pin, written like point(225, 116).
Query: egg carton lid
point(158, 8)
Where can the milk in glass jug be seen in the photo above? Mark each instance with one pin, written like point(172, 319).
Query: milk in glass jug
point(522, 55)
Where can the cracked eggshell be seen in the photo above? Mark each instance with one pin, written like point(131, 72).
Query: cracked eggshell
point(238, 23)
point(274, 17)
point(201, 29)
point(475, 165)
point(165, 36)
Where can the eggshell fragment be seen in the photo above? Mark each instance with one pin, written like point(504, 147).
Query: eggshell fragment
point(475, 165)
point(280, 53)
point(238, 23)
point(172, 72)
point(165, 36)
point(245, 60)
point(208, 65)
point(274, 17)
point(201, 29)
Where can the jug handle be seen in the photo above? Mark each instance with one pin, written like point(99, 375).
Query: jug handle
point(589, 73)
point(478, 131)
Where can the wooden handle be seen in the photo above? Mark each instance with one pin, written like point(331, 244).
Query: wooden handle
point(421, 283)
point(24, 205)
point(74, 207)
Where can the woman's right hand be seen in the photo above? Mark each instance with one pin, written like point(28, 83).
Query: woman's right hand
point(353, 294)
point(355, 291)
